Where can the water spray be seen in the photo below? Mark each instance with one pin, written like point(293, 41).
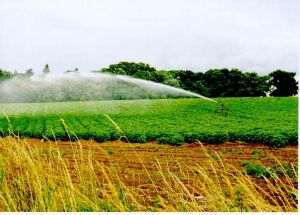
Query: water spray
point(86, 87)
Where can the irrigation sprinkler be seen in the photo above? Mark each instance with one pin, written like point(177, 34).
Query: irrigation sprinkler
point(221, 109)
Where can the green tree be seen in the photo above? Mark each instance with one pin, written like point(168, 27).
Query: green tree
point(131, 68)
point(284, 83)
point(4, 75)
point(172, 82)
point(217, 82)
point(234, 83)
point(142, 74)
point(166, 77)
point(192, 81)
point(254, 85)
point(200, 88)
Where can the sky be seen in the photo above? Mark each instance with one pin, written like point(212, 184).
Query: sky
point(253, 35)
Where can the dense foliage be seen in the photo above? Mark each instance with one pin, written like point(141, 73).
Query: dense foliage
point(284, 83)
point(214, 82)
point(272, 121)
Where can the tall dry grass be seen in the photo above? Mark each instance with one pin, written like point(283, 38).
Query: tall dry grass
point(46, 179)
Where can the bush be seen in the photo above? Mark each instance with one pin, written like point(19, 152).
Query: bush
point(256, 170)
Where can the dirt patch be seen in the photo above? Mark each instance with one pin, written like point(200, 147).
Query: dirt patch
point(131, 158)
point(118, 152)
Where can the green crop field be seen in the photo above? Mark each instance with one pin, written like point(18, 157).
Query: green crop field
point(271, 121)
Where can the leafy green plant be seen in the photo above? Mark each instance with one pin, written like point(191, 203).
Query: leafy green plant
point(256, 170)
point(240, 198)
point(255, 154)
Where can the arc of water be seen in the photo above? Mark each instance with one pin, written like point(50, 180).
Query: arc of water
point(90, 86)
point(135, 81)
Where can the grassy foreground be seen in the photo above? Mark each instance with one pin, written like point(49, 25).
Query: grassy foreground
point(272, 121)
point(77, 176)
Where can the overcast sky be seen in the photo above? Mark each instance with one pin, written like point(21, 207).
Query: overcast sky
point(257, 35)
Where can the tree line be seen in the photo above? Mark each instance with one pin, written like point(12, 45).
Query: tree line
point(212, 83)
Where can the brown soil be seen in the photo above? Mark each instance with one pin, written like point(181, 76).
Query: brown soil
point(132, 159)
point(117, 152)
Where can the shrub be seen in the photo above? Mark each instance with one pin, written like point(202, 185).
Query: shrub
point(256, 170)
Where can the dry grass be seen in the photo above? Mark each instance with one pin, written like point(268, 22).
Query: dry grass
point(47, 178)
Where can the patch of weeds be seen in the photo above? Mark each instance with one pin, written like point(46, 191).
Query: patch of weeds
point(124, 200)
point(239, 199)
point(110, 151)
point(256, 154)
point(239, 151)
point(285, 169)
point(48, 195)
point(294, 194)
point(107, 206)
point(2, 173)
point(83, 207)
point(158, 203)
point(257, 170)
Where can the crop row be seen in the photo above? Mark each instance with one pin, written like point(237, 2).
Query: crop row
point(272, 121)
point(99, 129)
